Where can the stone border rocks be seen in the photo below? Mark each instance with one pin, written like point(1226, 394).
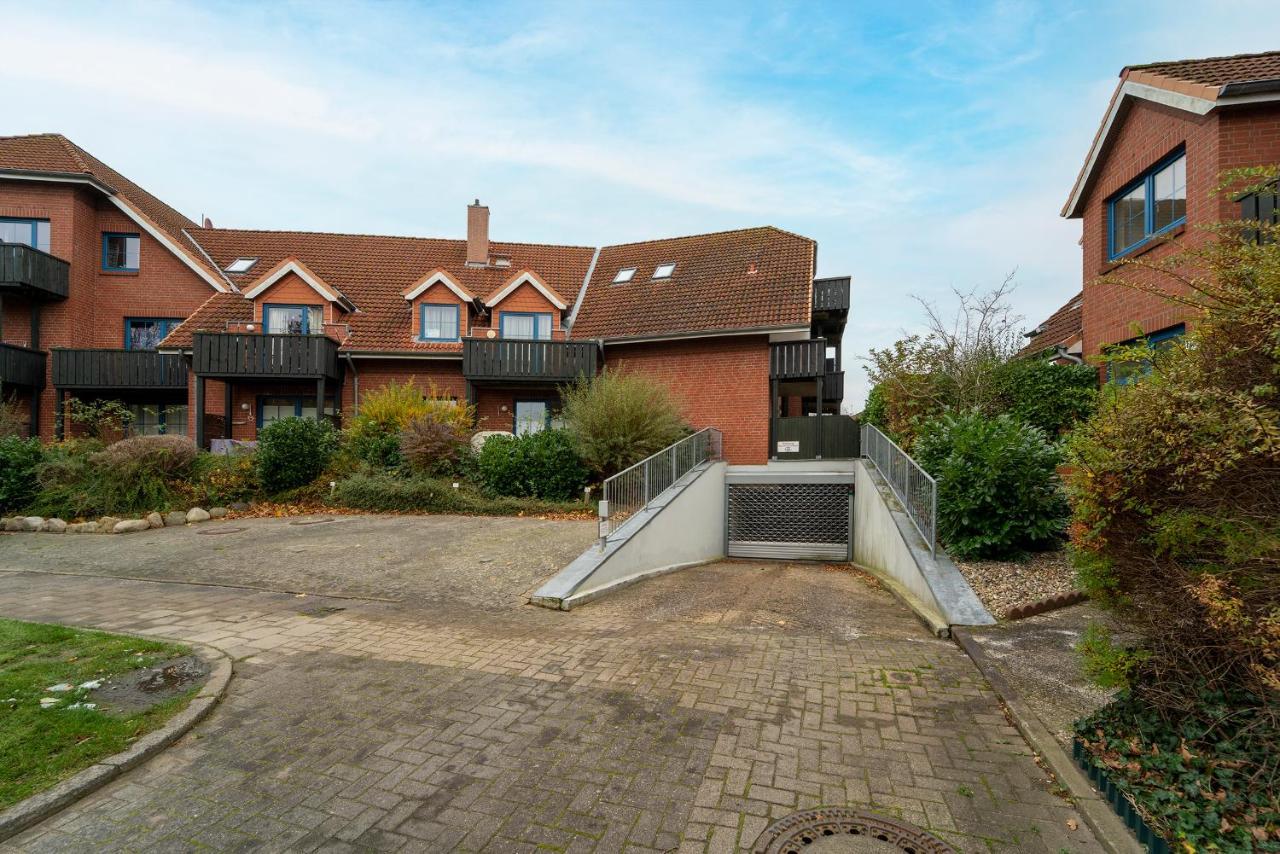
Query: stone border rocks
point(111, 524)
point(1045, 605)
point(42, 805)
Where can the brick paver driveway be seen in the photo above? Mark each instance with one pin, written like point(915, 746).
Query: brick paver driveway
point(682, 714)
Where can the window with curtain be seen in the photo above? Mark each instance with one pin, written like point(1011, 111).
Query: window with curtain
point(121, 251)
point(293, 319)
point(439, 323)
point(1154, 203)
point(146, 333)
point(526, 326)
point(32, 232)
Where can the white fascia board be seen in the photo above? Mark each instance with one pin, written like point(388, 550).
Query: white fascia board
point(1129, 89)
point(164, 240)
point(279, 274)
point(442, 278)
point(517, 282)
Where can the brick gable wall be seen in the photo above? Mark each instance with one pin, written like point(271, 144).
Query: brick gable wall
point(718, 382)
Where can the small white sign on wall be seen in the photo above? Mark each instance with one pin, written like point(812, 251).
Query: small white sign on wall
point(789, 447)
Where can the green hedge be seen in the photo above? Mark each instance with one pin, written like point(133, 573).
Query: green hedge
point(293, 452)
point(536, 465)
point(386, 492)
point(19, 459)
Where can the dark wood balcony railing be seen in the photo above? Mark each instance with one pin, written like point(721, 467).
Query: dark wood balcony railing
point(21, 366)
point(527, 361)
point(122, 369)
point(798, 359)
point(248, 354)
point(831, 294)
point(33, 273)
point(833, 386)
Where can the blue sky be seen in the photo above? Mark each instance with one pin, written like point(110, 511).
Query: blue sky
point(925, 145)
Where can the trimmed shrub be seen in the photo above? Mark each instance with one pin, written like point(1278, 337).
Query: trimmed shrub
point(998, 488)
point(19, 462)
point(1051, 397)
point(619, 418)
point(80, 478)
point(538, 465)
point(385, 492)
point(431, 446)
point(293, 452)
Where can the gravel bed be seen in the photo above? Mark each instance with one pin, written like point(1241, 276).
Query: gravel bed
point(1002, 585)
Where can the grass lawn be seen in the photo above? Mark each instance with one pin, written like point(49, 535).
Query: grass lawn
point(42, 746)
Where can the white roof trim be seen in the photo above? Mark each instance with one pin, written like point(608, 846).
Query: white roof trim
point(517, 282)
point(440, 276)
point(167, 243)
point(1128, 89)
point(298, 270)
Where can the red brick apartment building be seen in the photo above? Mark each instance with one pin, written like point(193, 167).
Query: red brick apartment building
point(107, 292)
point(1170, 131)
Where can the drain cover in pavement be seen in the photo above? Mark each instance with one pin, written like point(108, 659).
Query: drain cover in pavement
point(217, 532)
point(845, 831)
point(312, 521)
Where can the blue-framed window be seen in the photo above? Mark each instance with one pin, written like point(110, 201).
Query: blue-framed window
point(120, 251)
point(534, 416)
point(32, 232)
point(438, 322)
point(1127, 373)
point(145, 333)
point(292, 319)
point(528, 326)
point(158, 419)
point(274, 407)
point(1151, 205)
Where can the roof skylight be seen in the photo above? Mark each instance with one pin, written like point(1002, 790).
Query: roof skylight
point(664, 271)
point(241, 265)
point(626, 274)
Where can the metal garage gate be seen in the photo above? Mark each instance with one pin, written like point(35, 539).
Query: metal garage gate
point(792, 516)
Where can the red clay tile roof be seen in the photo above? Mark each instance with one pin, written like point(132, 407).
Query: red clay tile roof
point(711, 289)
point(1062, 328)
point(52, 152)
point(1217, 70)
point(373, 272)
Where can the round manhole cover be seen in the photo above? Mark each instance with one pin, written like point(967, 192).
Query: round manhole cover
point(845, 831)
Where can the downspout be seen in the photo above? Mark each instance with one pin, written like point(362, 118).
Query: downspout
point(355, 383)
point(1061, 353)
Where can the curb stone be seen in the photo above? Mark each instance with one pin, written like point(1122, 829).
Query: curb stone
point(1106, 825)
point(42, 805)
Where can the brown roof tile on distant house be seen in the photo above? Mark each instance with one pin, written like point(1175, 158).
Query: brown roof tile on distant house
point(374, 272)
point(755, 278)
point(1062, 329)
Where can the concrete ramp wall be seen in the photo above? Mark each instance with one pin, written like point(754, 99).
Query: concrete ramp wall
point(888, 545)
point(650, 543)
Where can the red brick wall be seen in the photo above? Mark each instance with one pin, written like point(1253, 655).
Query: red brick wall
point(718, 382)
point(444, 374)
point(93, 315)
point(1221, 140)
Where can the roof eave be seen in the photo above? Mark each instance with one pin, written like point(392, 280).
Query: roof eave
point(59, 178)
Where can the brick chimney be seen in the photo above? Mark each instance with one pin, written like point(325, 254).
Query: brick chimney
point(477, 235)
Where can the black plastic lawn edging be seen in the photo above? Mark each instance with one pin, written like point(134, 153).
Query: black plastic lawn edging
point(1113, 795)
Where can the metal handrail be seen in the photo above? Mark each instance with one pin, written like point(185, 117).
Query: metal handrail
point(631, 490)
point(913, 486)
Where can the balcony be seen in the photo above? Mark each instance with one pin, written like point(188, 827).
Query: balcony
point(118, 369)
point(32, 273)
point(792, 360)
point(511, 360)
point(833, 387)
point(20, 366)
point(831, 295)
point(248, 355)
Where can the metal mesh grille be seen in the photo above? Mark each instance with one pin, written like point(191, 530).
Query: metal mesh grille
point(795, 520)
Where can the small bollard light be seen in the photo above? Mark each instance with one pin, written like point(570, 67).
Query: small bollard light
point(455, 484)
point(333, 484)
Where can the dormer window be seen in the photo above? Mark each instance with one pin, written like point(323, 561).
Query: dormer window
point(241, 265)
point(626, 274)
point(664, 271)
